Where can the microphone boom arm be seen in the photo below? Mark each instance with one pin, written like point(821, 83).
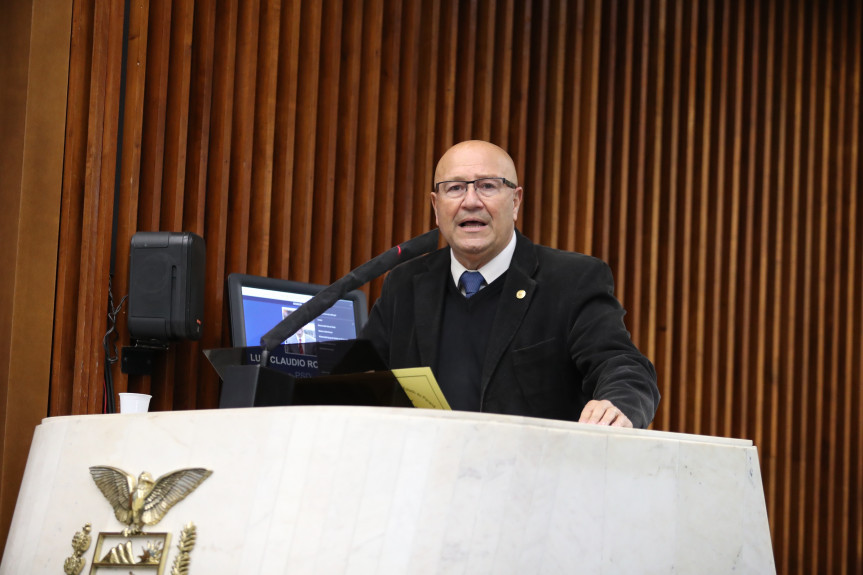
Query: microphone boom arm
point(361, 275)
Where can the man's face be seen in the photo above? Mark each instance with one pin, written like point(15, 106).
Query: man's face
point(477, 228)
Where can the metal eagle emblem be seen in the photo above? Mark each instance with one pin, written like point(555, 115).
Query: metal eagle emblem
point(142, 501)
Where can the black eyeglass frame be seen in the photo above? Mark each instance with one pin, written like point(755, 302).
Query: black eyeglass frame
point(506, 182)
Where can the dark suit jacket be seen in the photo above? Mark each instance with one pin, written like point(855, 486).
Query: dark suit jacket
point(553, 347)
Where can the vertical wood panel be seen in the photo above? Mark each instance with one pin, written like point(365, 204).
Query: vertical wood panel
point(363, 223)
point(686, 276)
point(326, 136)
point(430, 24)
point(652, 304)
point(465, 37)
point(605, 126)
point(174, 173)
point(700, 207)
point(838, 526)
point(242, 135)
point(589, 136)
point(853, 555)
point(707, 149)
point(501, 79)
point(549, 162)
point(811, 393)
point(731, 380)
point(619, 159)
point(638, 260)
point(155, 112)
point(774, 226)
point(744, 372)
point(218, 179)
point(446, 76)
point(843, 525)
point(260, 202)
point(834, 520)
point(192, 363)
point(484, 37)
point(715, 294)
point(664, 358)
point(68, 271)
point(535, 138)
point(571, 163)
point(177, 115)
point(346, 145)
point(284, 134)
point(387, 133)
point(522, 54)
point(409, 194)
point(201, 97)
point(765, 372)
point(304, 152)
point(825, 406)
point(98, 207)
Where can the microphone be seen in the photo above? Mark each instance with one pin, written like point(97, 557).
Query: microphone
point(325, 299)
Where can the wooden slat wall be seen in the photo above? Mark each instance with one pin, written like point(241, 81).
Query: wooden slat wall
point(709, 150)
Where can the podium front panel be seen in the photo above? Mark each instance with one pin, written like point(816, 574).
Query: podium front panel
point(328, 489)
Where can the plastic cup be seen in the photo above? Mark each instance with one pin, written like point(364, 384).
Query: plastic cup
point(134, 402)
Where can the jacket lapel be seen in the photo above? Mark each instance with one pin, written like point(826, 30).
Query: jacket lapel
point(429, 294)
point(518, 290)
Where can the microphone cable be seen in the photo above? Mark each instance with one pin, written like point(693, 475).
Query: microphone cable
point(109, 344)
point(110, 335)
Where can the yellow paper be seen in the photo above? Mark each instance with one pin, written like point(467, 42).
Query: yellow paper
point(421, 387)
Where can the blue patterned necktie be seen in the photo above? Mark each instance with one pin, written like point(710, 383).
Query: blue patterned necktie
point(471, 281)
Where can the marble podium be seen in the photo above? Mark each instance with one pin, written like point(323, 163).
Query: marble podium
point(326, 489)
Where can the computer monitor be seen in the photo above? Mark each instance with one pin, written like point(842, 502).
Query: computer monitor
point(257, 304)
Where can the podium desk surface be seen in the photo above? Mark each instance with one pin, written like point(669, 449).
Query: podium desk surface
point(329, 489)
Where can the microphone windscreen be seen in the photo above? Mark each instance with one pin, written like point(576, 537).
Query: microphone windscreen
point(422, 244)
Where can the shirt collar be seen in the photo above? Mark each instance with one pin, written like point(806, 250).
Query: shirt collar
point(490, 271)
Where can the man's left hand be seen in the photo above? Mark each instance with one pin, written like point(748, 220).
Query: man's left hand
point(603, 412)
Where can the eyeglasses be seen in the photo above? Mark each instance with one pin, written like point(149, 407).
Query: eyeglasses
point(485, 187)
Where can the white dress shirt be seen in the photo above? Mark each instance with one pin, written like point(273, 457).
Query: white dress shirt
point(490, 271)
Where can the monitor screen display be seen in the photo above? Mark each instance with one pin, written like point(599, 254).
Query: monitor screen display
point(257, 304)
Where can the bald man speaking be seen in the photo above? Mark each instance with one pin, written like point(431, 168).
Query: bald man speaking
point(508, 326)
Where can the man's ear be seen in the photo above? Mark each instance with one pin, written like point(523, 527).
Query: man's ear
point(516, 202)
point(434, 208)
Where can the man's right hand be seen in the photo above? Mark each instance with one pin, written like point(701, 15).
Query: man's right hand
point(603, 412)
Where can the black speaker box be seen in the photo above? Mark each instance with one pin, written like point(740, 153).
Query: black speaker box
point(166, 286)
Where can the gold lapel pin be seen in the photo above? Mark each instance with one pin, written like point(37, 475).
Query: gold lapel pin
point(520, 294)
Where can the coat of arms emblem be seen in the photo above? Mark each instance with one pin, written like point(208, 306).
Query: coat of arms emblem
point(138, 502)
